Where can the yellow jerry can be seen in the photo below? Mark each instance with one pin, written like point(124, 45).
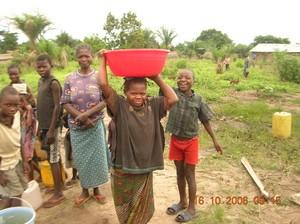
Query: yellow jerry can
point(46, 174)
point(282, 124)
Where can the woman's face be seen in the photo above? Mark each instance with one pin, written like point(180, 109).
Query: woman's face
point(136, 94)
point(84, 58)
point(14, 75)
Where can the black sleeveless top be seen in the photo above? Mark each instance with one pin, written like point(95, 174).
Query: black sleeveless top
point(45, 102)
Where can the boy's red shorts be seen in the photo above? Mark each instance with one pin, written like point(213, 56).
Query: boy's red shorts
point(184, 150)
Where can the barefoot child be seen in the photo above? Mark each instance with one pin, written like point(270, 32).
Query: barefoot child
point(12, 179)
point(48, 115)
point(138, 150)
point(183, 125)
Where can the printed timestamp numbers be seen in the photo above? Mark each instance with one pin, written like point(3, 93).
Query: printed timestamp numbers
point(236, 200)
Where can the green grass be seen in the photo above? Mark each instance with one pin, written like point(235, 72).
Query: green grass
point(212, 215)
point(247, 132)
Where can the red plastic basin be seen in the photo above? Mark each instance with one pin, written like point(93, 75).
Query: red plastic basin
point(136, 62)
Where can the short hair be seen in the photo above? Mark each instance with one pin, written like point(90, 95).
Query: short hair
point(44, 57)
point(129, 81)
point(83, 46)
point(11, 66)
point(8, 90)
point(181, 71)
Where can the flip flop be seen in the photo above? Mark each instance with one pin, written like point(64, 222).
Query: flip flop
point(174, 209)
point(79, 201)
point(53, 202)
point(184, 216)
point(101, 199)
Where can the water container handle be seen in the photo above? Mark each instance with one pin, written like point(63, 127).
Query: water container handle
point(24, 201)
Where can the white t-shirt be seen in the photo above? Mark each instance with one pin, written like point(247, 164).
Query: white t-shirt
point(10, 146)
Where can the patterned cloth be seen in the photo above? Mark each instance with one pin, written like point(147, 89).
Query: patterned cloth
point(28, 132)
point(83, 93)
point(184, 115)
point(133, 196)
point(89, 151)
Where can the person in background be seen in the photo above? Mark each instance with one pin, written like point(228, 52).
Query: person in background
point(138, 149)
point(49, 123)
point(226, 63)
point(184, 144)
point(82, 99)
point(246, 67)
point(12, 167)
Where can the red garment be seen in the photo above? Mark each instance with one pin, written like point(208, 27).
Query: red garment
point(184, 150)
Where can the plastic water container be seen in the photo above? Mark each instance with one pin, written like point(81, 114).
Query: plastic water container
point(46, 174)
point(282, 124)
point(136, 62)
point(33, 195)
point(18, 215)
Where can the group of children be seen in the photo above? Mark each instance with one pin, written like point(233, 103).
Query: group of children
point(136, 136)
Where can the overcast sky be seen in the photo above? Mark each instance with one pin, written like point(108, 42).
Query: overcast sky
point(241, 20)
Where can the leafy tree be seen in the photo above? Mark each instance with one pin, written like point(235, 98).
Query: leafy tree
point(112, 28)
point(214, 38)
point(64, 39)
point(95, 42)
point(270, 39)
point(8, 41)
point(166, 36)
point(33, 26)
point(127, 32)
point(241, 50)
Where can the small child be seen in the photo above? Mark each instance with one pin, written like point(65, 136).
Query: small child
point(12, 169)
point(28, 117)
point(183, 125)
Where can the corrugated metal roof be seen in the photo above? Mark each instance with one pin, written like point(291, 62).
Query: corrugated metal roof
point(291, 48)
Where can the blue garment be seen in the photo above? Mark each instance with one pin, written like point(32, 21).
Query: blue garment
point(89, 151)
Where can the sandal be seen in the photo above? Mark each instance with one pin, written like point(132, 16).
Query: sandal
point(53, 202)
point(79, 201)
point(174, 209)
point(101, 199)
point(184, 216)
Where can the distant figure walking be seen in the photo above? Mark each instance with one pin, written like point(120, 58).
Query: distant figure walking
point(226, 63)
point(246, 67)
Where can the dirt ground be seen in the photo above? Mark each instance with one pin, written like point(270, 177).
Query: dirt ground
point(228, 181)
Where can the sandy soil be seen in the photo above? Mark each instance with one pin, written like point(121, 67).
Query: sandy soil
point(225, 181)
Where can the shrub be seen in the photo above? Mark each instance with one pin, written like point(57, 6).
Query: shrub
point(288, 67)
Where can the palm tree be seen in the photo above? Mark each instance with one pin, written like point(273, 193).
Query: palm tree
point(33, 26)
point(166, 36)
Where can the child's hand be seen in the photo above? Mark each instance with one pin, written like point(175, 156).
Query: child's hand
point(3, 179)
point(218, 148)
point(100, 53)
point(50, 137)
point(154, 78)
point(88, 124)
point(81, 118)
point(26, 167)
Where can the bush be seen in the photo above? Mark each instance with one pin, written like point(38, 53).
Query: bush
point(288, 67)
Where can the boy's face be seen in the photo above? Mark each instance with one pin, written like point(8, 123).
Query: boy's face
point(185, 81)
point(43, 68)
point(84, 58)
point(14, 75)
point(10, 105)
point(136, 94)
